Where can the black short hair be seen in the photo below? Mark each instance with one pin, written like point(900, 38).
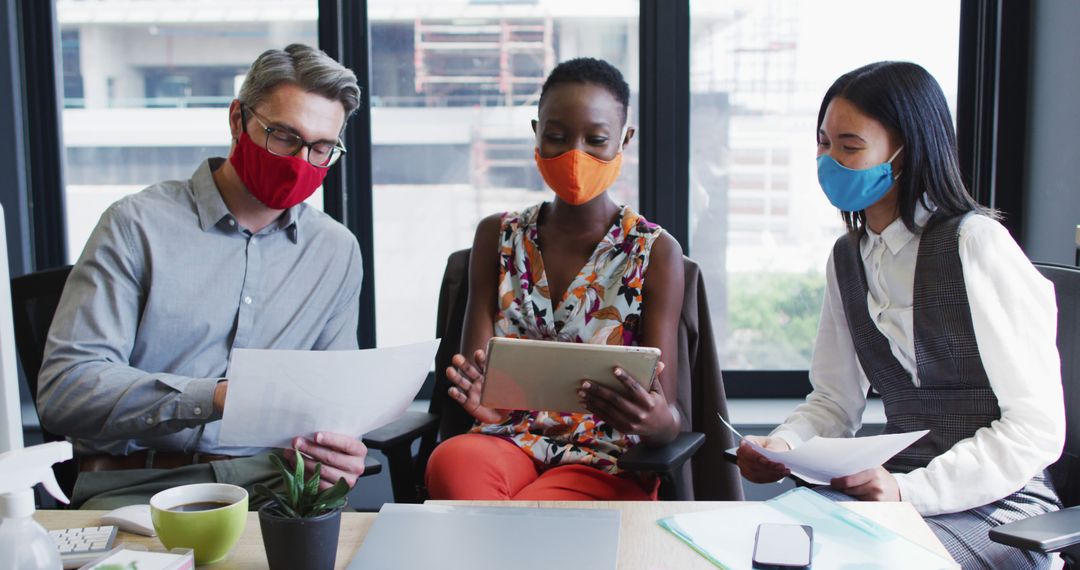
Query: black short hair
point(906, 99)
point(590, 70)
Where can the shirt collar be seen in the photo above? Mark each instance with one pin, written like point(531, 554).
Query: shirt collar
point(214, 213)
point(896, 235)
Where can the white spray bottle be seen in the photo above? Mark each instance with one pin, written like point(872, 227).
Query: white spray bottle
point(25, 544)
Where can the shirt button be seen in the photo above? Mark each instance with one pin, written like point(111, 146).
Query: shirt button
point(197, 410)
point(149, 420)
point(247, 300)
point(232, 222)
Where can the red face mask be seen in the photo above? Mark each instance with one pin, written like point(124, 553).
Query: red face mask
point(279, 182)
point(576, 176)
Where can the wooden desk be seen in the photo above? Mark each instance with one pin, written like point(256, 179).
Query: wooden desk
point(643, 545)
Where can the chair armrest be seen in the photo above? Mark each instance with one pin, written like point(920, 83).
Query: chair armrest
point(731, 455)
point(404, 430)
point(1048, 532)
point(664, 459)
point(371, 466)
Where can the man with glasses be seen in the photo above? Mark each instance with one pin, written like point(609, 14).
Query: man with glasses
point(176, 276)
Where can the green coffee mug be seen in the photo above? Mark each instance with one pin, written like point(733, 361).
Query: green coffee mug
point(207, 518)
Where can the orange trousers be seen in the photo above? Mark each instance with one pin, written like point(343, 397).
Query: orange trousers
point(483, 467)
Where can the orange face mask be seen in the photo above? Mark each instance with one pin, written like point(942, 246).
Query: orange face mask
point(577, 176)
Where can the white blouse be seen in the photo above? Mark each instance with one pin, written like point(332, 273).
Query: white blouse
point(1014, 315)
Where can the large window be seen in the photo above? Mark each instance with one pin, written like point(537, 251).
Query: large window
point(760, 226)
point(146, 87)
point(454, 87)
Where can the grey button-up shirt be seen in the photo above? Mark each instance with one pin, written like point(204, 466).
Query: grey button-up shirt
point(168, 284)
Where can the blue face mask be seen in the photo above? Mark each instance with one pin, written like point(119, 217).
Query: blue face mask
point(854, 190)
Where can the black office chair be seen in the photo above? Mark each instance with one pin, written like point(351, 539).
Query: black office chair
point(34, 298)
point(707, 477)
point(1059, 531)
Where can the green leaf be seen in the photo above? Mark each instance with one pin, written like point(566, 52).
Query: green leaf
point(264, 493)
point(311, 490)
point(299, 474)
point(313, 483)
point(284, 507)
point(333, 495)
point(297, 489)
point(278, 503)
point(286, 475)
point(323, 508)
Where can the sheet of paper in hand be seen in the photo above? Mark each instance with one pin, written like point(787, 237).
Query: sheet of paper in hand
point(276, 395)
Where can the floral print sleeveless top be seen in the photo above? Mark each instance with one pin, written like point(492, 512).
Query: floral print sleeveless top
point(602, 305)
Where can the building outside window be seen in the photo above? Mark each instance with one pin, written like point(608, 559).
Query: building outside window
point(147, 85)
point(761, 229)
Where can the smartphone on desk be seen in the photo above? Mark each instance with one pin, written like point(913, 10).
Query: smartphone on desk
point(783, 546)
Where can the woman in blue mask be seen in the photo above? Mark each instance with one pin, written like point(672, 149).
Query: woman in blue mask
point(930, 303)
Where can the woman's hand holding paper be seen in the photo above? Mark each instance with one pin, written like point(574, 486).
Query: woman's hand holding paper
point(870, 485)
point(758, 468)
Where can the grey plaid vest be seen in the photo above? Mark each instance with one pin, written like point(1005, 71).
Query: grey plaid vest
point(954, 398)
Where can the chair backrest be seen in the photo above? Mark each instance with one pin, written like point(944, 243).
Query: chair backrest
point(1066, 471)
point(449, 324)
point(701, 388)
point(34, 298)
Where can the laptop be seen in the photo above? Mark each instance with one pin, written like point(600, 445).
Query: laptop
point(488, 538)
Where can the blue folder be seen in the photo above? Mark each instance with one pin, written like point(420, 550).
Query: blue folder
point(842, 537)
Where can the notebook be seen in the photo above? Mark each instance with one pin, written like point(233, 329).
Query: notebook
point(488, 538)
point(842, 537)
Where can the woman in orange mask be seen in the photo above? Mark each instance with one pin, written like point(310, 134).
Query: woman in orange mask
point(580, 268)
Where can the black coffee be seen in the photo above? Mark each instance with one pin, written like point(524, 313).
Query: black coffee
point(200, 506)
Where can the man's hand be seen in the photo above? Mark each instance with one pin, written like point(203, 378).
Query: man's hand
point(342, 456)
point(220, 391)
point(756, 467)
point(871, 485)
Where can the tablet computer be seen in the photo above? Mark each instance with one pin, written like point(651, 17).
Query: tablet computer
point(546, 375)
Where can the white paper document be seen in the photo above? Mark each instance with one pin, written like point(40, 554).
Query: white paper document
point(821, 459)
point(277, 395)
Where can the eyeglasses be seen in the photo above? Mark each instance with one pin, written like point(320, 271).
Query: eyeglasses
point(283, 143)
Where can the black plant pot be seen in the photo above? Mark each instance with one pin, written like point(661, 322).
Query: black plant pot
point(300, 543)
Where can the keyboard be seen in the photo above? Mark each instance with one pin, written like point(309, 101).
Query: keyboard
point(79, 546)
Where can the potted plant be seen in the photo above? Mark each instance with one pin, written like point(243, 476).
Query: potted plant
point(300, 526)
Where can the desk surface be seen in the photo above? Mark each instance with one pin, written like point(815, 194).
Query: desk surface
point(643, 545)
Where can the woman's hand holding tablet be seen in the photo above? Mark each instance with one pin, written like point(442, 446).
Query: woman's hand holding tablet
point(617, 383)
point(468, 380)
point(643, 411)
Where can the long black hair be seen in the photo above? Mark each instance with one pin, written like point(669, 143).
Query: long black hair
point(906, 99)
